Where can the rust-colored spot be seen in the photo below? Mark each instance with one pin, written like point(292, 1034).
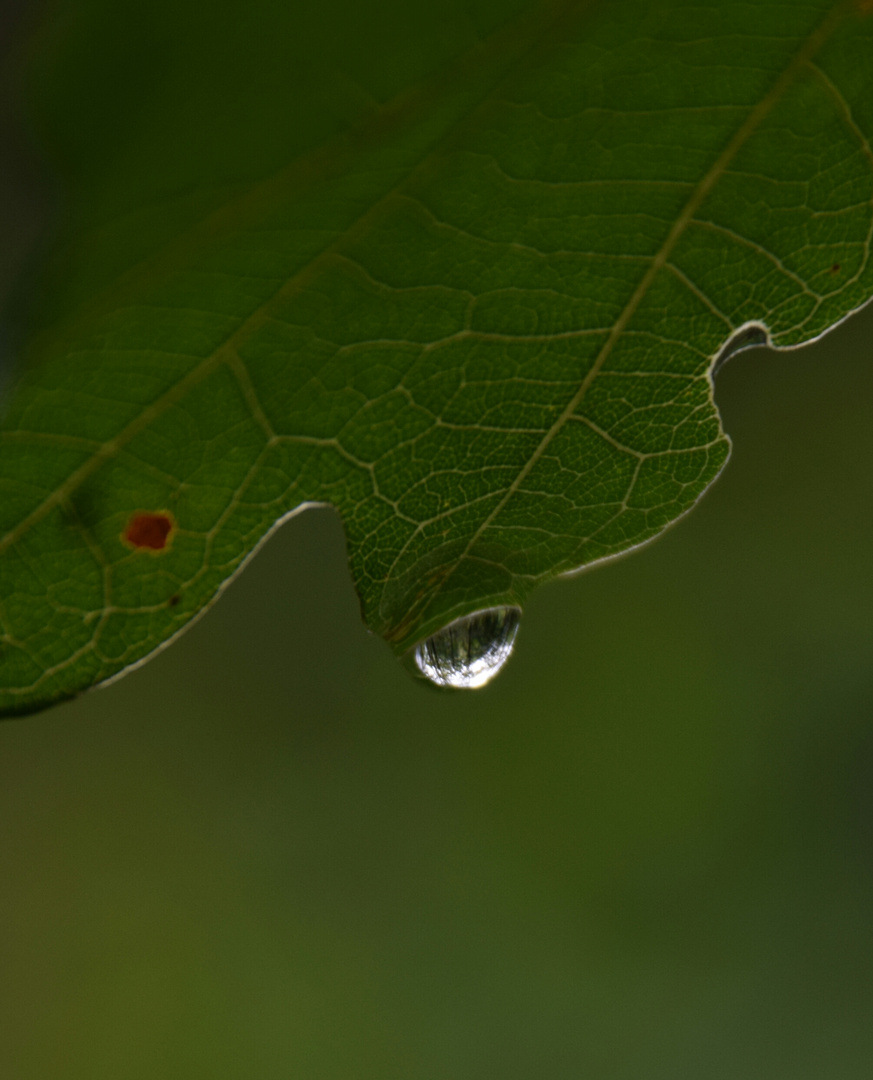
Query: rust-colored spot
point(174, 600)
point(835, 269)
point(149, 530)
point(864, 6)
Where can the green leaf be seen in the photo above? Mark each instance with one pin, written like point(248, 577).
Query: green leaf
point(461, 270)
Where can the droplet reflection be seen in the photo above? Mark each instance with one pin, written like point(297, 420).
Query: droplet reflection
point(469, 652)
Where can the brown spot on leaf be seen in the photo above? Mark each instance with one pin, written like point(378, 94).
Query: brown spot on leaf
point(174, 599)
point(835, 269)
point(151, 531)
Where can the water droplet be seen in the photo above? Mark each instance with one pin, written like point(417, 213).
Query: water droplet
point(469, 652)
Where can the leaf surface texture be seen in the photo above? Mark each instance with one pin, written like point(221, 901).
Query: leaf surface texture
point(462, 273)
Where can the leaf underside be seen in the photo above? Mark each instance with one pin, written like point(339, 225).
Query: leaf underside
point(463, 277)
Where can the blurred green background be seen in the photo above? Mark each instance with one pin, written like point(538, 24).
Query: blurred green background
point(645, 851)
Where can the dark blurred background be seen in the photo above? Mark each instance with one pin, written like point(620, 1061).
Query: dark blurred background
point(645, 851)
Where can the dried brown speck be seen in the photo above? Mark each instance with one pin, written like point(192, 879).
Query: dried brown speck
point(151, 531)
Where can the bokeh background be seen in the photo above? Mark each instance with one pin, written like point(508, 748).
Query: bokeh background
point(645, 851)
